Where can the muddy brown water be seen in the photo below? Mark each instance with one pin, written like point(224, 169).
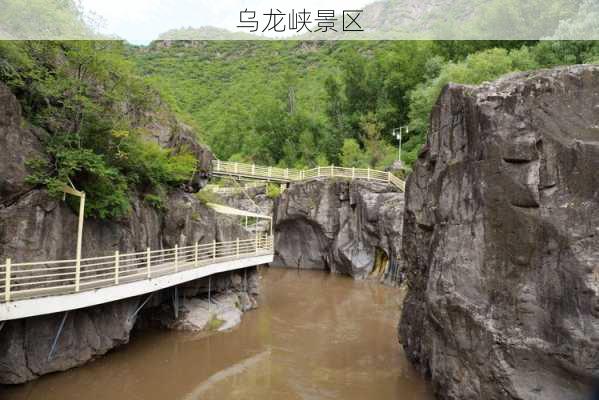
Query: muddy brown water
point(315, 336)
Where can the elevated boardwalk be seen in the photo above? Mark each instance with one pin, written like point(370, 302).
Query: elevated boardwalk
point(45, 287)
point(286, 175)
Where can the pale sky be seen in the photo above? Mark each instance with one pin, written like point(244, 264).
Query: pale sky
point(140, 21)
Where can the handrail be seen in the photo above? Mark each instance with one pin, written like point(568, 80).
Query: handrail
point(26, 280)
point(290, 175)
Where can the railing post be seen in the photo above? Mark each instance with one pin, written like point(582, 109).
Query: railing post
point(176, 257)
point(269, 172)
point(256, 241)
point(287, 173)
point(7, 272)
point(149, 263)
point(116, 267)
point(195, 255)
point(389, 177)
point(218, 165)
point(237, 247)
point(318, 171)
point(368, 173)
point(353, 172)
point(332, 171)
point(236, 167)
point(253, 169)
point(214, 249)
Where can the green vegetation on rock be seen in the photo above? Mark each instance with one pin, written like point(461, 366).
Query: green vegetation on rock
point(91, 101)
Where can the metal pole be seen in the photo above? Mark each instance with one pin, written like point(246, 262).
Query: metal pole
point(140, 307)
point(237, 247)
point(149, 263)
point(116, 267)
point(214, 249)
point(196, 255)
point(400, 129)
point(7, 272)
point(79, 241)
point(55, 342)
point(176, 257)
point(209, 284)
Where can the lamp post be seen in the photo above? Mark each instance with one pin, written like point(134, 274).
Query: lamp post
point(72, 191)
point(397, 134)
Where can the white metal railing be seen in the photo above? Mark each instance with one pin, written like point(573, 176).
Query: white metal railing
point(288, 175)
point(26, 280)
point(233, 190)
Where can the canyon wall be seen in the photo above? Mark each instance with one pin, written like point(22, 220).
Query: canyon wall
point(501, 240)
point(348, 227)
point(35, 226)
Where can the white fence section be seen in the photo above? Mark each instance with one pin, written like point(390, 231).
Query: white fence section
point(29, 280)
point(225, 168)
point(234, 190)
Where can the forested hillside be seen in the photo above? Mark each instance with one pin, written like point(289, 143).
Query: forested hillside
point(91, 110)
point(300, 104)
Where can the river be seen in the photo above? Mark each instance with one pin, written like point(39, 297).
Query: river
point(315, 336)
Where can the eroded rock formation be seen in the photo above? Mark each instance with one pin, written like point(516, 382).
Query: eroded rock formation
point(350, 227)
point(35, 226)
point(500, 239)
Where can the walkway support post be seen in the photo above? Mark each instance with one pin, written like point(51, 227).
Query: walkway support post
point(7, 271)
point(149, 263)
point(116, 267)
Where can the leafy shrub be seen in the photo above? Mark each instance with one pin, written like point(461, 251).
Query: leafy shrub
point(273, 191)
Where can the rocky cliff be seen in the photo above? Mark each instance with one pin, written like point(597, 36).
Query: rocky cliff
point(35, 226)
point(500, 239)
point(349, 227)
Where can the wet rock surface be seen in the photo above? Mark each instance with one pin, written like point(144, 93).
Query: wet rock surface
point(500, 239)
point(349, 227)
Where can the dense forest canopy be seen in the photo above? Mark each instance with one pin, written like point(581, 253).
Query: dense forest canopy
point(287, 103)
point(300, 104)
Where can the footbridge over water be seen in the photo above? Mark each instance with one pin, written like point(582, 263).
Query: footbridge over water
point(287, 175)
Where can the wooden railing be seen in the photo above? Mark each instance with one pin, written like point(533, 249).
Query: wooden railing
point(289, 175)
point(25, 280)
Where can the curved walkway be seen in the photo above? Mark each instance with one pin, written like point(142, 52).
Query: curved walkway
point(285, 175)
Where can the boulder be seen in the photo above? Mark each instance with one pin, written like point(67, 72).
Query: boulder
point(501, 240)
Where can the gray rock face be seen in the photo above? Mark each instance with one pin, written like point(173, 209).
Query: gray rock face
point(350, 227)
point(19, 143)
point(26, 345)
point(35, 227)
point(500, 239)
